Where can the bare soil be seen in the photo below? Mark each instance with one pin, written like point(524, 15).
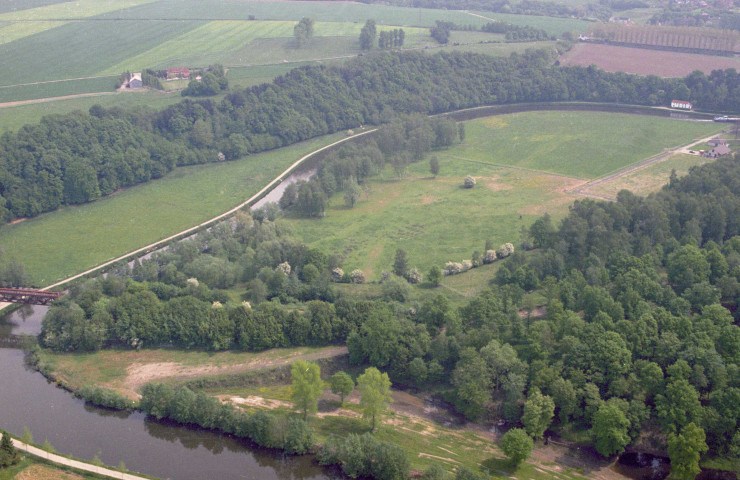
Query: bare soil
point(42, 472)
point(644, 61)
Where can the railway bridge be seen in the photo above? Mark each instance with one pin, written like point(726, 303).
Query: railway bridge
point(28, 296)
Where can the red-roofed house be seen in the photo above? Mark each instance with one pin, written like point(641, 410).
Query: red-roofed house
point(179, 72)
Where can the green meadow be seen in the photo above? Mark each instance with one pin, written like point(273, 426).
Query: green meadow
point(59, 244)
point(524, 165)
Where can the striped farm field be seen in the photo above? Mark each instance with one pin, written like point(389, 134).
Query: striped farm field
point(11, 31)
point(19, 5)
point(644, 61)
point(70, 10)
point(56, 89)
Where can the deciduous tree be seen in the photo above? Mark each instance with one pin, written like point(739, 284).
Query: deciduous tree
point(375, 393)
point(306, 386)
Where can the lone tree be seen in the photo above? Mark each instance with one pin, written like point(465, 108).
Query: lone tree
point(469, 182)
point(434, 165)
point(434, 277)
point(342, 385)
point(306, 386)
point(400, 263)
point(8, 454)
point(352, 192)
point(303, 31)
point(367, 35)
point(517, 445)
point(375, 393)
point(610, 429)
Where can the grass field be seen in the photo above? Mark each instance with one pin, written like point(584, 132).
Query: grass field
point(55, 245)
point(19, 5)
point(57, 89)
point(524, 164)
point(552, 25)
point(649, 179)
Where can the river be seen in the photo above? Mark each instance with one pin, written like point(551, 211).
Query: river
point(161, 449)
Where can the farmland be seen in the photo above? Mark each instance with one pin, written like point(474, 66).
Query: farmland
point(537, 158)
point(55, 245)
point(642, 61)
point(689, 38)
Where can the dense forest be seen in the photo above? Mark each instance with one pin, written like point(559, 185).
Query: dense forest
point(637, 332)
point(76, 158)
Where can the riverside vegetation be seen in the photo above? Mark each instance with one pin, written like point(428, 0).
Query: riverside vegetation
point(637, 334)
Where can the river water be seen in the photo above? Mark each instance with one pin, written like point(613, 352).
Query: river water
point(164, 450)
point(161, 449)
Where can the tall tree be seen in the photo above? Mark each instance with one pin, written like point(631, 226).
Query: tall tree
point(434, 165)
point(306, 386)
point(367, 35)
point(303, 31)
point(342, 385)
point(610, 429)
point(375, 393)
point(400, 263)
point(517, 445)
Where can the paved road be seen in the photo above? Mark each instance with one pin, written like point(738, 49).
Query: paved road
point(87, 467)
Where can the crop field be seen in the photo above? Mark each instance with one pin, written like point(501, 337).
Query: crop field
point(651, 178)
point(643, 61)
point(711, 39)
point(57, 89)
point(524, 165)
point(58, 244)
point(25, 4)
point(58, 10)
point(11, 31)
point(14, 117)
point(552, 25)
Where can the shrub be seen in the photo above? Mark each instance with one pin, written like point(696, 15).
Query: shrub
point(490, 256)
point(453, 268)
point(469, 182)
point(413, 276)
point(337, 274)
point(396, 288)
point(103, 397)
point(434, 276)
point(384, 275)
point(357, 276)
point(517, 445)
point(505, 250)
point(466, 265)
point(300, 437)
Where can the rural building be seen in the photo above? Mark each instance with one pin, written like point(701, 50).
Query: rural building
point(135, 81)
point(177, 73)
point(681, 104)
point(718, 151)
point(716, 142)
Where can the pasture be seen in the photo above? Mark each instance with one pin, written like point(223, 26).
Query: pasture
point(58, 244)
point(524, 165)
point(644, 61)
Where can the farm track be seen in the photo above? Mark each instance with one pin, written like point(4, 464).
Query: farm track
point(583, 189)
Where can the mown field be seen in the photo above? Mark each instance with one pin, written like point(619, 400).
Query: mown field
point(651, 178)
point(524, 165)
point(56, 245)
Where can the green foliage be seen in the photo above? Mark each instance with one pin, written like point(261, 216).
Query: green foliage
point(610, 429)
point(517, 445)
point(471, 380)
point(367, 35)
point(306, 386)
point(303, 31)
point(375, 395)
point(538, 412)
point(364, 456)
point(434, 165)
point(342, 385)
point(684, 451)
point(8, 454)
point(434, 277)
point(103, 397)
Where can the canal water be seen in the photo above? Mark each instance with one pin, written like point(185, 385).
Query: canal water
point(161, 449)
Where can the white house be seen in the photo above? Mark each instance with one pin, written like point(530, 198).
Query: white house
point(682, 104)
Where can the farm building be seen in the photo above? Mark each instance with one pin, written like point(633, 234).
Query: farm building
point(718, 151)
point(135, 81)
point(681, 104)
point(177, 73)
point(716, 142)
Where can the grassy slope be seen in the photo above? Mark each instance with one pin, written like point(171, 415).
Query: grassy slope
point(408, 213)
point(58, 244)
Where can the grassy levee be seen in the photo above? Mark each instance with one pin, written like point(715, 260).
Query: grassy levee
point(58, 244)
point(524, 165)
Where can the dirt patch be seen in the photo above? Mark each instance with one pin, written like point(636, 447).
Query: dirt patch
point(139, 374)
point(427, 199)
point(17, 220)
point(444, 459)
point(493, 183)
point(559, 187)
point(644, 61)
point(42, 472)
point(255, 401)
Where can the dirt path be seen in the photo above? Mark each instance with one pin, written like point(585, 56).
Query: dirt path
point(51, 99)
point(80, 465)
point(584, 189)
point(139, 374)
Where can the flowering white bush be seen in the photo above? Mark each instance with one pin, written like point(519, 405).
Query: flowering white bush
point(357, 276)
point(452, 268)
point(466, 265)
point(216, 305)
point(284, 267)
point(413, 275)
point(490, 256)
point(193, 281)
point(337, 274)
point(505, 250)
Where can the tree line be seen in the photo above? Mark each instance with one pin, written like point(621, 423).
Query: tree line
point(77, 158)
